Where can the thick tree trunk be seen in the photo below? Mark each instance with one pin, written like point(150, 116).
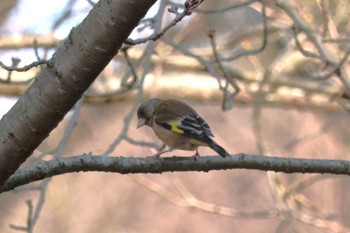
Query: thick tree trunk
point(75, 65)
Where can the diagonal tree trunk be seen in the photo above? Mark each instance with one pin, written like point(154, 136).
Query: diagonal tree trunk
point(75, 65)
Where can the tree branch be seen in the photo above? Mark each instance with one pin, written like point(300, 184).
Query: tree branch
point(127, 165)
point(189, 6)
point(24, 68)
point(68, 74)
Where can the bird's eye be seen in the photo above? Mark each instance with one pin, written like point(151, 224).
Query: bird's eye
point(140, 113)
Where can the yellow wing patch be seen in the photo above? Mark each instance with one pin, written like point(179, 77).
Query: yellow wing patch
point(174, 127)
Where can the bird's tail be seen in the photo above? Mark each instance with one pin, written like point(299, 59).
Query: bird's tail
point(218, 149)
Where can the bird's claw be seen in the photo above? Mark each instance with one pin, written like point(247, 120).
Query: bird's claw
point(196, 155)
point(157, 156)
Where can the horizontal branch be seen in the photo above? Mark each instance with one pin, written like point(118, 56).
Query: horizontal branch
point(127, 165)
point(24, 68)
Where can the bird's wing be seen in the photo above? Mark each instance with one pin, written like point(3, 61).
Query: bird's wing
point(184, 120)
point(195, 125)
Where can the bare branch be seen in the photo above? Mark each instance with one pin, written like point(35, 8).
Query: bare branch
point(314, 38)
point(67, 76)
point(226, 8)
point(24, 68)
point(27, 228)
point(127, 165)
point(336, 69)
point(306, 53)
point(129, 84)
point(263, 42)
point(228, 96)
point(189, 6)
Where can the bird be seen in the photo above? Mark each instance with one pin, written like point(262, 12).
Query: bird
point(178, 125)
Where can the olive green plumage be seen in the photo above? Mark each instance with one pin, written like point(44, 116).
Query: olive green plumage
point(178, 125)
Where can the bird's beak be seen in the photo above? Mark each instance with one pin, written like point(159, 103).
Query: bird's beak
point(141, 122)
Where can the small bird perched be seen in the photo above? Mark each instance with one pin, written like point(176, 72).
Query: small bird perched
point(178, 125)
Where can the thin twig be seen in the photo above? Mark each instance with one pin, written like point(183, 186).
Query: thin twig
point(24, 68)
point(36, 50)
point(134, 75)
point(41, 201)
point(29, 227)
point(189, 6)
point(15, 62)
point(314, 38)
point(223, 9)
point(263, 42)
point(228, 97)
point(306, 53)
point(335, 69)
point(206, 64)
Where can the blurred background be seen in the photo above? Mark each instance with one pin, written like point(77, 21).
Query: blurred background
point(270, 78)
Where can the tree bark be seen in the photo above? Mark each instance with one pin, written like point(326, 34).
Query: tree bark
point(75, 65)
point(127, 165)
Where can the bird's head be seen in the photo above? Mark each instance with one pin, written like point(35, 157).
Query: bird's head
point(146, 110)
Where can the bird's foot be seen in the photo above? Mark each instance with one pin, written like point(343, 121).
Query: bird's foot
point(196, 155)
point(157, 156)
